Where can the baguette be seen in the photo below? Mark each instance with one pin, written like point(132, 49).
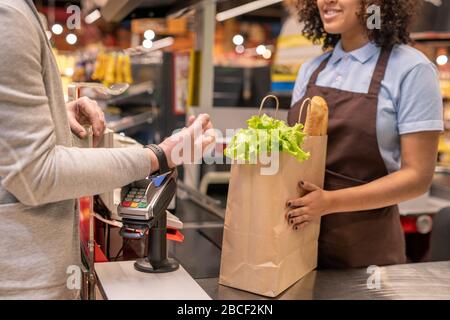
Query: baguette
point(316, 123)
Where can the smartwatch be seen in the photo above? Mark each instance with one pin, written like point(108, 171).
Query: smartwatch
point(161, 156)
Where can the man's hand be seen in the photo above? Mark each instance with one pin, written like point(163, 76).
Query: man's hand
point(85, 111)
point(199, 134)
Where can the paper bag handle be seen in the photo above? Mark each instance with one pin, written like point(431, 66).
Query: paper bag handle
point(264, 100)
point(301, 108)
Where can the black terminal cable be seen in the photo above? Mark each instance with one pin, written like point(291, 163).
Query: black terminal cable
point(121, 249)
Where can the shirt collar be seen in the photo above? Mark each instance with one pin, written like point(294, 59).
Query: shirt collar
point(362, 54)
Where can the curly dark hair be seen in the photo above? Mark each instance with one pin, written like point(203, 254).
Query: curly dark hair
point(396, 20)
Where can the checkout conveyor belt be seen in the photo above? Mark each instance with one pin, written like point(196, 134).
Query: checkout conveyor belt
point(200, 256)
point(417, 281)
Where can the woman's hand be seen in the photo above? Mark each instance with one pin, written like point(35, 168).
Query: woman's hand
point(419, 151)
point(316, 203)
point(189, 144)
point(85, 111)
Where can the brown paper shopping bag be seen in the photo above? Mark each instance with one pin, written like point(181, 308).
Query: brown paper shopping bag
point(260, 251)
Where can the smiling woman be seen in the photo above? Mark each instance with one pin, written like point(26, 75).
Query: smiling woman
point(396, 16)
point(385, 118)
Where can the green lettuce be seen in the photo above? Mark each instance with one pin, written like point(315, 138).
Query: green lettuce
point(266, 134)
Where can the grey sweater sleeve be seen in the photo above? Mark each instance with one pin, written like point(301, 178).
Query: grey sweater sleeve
point(33, 166)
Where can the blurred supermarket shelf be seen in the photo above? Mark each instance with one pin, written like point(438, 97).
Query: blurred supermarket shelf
point(132, 121)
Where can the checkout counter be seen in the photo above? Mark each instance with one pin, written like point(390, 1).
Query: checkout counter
point(199, 258)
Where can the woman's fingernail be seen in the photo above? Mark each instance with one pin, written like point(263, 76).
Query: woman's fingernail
point(289, 203)
point(295, 228)
point(291, 221)
point(302, 183)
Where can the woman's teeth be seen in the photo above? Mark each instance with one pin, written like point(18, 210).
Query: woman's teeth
point(329, 14)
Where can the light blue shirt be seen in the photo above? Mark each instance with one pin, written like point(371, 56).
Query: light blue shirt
point(409, 100)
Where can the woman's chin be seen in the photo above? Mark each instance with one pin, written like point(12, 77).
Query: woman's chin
point(333, 29)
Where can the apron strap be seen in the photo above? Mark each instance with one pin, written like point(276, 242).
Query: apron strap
point(377, 76)
point(315, 75)
point(380, 70)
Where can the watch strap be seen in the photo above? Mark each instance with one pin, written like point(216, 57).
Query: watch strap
point(161, 156)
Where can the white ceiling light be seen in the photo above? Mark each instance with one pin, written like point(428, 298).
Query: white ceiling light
point(57, 29)
point(71, 39)
point(147, 44)
point(149, 34)
point(69, 72)
point(441, 60)
point(238, 40)
point(249, 7)
point(261, 49)
point(267, 54)
point(93, 16)
point(240, 49)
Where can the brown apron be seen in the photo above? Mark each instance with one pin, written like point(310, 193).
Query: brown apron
point(356, 239)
